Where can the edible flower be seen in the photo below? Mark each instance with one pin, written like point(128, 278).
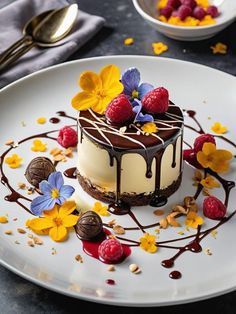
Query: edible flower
point(128, 41)
point(218, 128)
point(209, 182)
point(140, 117)
point(3, 220)
point(39, 146)
point(98, 89)
point(148, 243)
point(203, 3)
point(41, 120)
point(193, 220)
point(100, 209)
point(56, 222)
point(219, 48)
point(54, 192)
point(13, 161)
point(132, 87)
point(149, 127)
point(215, 159)
point(159, 48)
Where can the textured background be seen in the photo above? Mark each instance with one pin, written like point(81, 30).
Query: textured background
point(19, 296)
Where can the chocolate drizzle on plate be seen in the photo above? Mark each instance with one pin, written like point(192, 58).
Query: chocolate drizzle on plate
point(194, 244)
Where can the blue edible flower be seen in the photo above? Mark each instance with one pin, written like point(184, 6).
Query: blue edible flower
point(140, 117)
point(131, 79)
point(54, 192)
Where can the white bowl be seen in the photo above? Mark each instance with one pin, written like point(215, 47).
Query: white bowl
point(227, 8)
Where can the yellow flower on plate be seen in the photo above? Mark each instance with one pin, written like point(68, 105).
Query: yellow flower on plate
point(3, 220)
point(215, 159)
point(13, 161)
point(148, 243)
point(39, 146)
point(41, 120)
point(56, 222)
point(128, 41)
point(159, 48)
point(218, 128)
point(193, 220)
point(98, 89)
point(149, 127)
point(209, 182)
point(100, 209)
point(219, 48)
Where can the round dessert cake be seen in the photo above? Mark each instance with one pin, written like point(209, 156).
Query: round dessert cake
point(130, 150)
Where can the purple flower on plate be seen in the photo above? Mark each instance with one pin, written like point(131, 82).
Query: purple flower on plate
point(54, 192)
point(132, 87)
point(140, 117)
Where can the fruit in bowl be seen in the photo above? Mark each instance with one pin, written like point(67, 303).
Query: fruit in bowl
point(187, 12)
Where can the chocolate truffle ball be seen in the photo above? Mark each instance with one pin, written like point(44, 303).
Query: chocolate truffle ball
point(89, 225)
point(38, 170)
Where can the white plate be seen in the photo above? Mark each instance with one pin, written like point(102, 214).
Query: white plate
point(212, 94)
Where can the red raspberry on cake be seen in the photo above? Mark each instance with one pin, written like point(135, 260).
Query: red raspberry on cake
point(119, 111)
point(67, 137)
point(213, 208)
point(110, 250)
point(201, 140)
point(156, 101)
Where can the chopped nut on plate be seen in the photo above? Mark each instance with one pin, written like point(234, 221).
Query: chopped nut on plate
point(118, 229)
point(134, 268)
point(20, 230)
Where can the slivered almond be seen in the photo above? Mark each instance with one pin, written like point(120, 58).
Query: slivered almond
point(163, 223)
point(37, 241)
point(118, 229)
point(158, 212)
point(20, 230)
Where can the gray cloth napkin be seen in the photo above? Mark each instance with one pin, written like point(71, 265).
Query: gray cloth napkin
point(13, 17)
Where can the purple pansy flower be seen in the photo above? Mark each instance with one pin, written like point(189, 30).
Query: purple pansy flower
point(140, 117)
point(131, 79)
point(54, 192)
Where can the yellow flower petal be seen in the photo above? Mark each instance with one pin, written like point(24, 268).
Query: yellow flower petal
point(150, 127)
point(202, 159)
point(84, 100)
point(58, 233)
point(41, 120)
point(67, 208)
point(218, 128)
point(39, 223)
point(90, 81)
point(52, 213)
point(208, 148)
point(148, 243)
point(128, 41)
point(109, 75)
point(13, 161)
point(209, 182)
point(159, 48)
point(70, 221)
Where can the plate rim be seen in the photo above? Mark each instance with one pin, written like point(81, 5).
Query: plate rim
point(105, 300)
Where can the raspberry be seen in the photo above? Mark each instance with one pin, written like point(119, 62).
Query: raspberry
point(110, 250)
point(190, 156)
point(156, 101)
point(184, 11)
point(190, 3)
point(174, 3)
point(200, 140)
point(67, 137)
point(213, 11)
point(166, 11)
point(199, 13)
point(119, 110)
point(213, 208)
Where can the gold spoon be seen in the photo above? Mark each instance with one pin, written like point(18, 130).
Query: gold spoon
point(43, 30)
